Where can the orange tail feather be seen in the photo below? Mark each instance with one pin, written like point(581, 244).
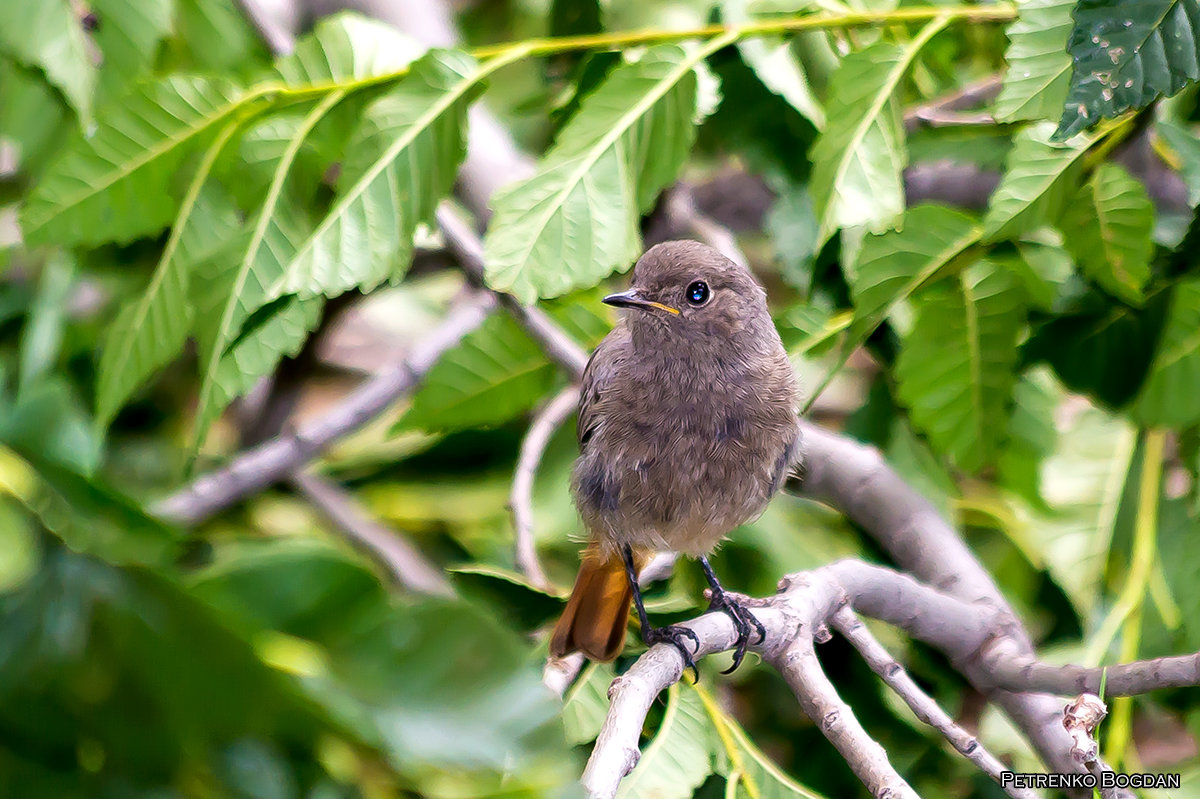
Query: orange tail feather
point(597, 613)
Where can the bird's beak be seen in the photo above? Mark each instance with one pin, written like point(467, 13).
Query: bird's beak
point(631, 299)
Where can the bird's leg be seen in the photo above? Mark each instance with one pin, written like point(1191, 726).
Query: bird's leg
point(673, 634)
point(743, 620)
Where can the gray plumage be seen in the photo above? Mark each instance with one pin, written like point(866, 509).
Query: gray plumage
point(687, 420)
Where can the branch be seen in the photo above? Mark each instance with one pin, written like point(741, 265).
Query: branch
point(276, 459)
point(404, 562)
point(921, 704)
point(1012, 672)
point(942, 110)
point(548, 419)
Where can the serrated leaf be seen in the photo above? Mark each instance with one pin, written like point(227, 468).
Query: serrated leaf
point(128, 36)
point(957, 366)
point(859, 158)
point(1168, 397)
point(116, 184)
point(1035, 84)
point(401, 162)
point(679, 757)
point(47, 35)
point(345, 48)
point(1107, 228)
point(776, 65)
point(576, 220)
point(891, 266)
point(240, 288)
point(1127, 54)
point(1038, 180)
point(152, 330)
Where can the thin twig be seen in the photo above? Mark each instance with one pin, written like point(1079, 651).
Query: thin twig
point(921, 704)
point(404, 562)
point(548, 419)
point(276, 459)
point(467, 247)
point(938, 109)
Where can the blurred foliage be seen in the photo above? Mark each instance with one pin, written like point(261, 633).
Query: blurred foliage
point(179, 212)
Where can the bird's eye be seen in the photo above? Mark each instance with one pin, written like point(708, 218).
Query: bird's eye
point(697, 293)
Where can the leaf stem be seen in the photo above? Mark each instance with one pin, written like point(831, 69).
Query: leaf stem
point(762, 27)
point(1127, 610)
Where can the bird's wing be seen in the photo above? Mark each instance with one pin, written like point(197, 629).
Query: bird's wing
point(598, 376)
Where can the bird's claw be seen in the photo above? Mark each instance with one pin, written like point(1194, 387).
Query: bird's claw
point(743, 621)
point(675, 635)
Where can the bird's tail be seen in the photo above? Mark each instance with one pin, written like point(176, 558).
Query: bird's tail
point(597, 613)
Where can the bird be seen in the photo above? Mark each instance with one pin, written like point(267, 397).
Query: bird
point(687, 426)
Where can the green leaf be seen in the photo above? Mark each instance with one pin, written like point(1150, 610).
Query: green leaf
point(1044, 267)
point(346, 48)
point(586, 705)
point(680, 756)
point(751, 773)
point(1185, 146)
point(1032, 435)
point(116, 184)
point(776, 65)
point(576, 220)
point(1127, 54)
point(1035, 84)
point(151, 331)
point(891, 266)
point(496, 373)
point(1083, 482)
point(401, 162)
point(128, 35)
point(1038, 180)
point(41, 339)
point(1168, 397)
point(47, 35)
point(859, 158)
point(235, 290)
point(957, 366)
point(1107, 228)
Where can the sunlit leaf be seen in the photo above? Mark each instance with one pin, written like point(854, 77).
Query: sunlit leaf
point(576, 220)
point(1039, 67)
point(48, 35)
point(401, 162)
point(1039, 179)
point(116, 185)
point(679, 757)
point(859, 158)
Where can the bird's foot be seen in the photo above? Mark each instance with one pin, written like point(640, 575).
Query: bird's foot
point(677, 636)
point(744, 622)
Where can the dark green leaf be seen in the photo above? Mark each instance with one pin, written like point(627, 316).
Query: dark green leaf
point(1127, 54)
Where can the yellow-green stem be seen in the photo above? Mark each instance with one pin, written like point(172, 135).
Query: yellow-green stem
point(1127, 610)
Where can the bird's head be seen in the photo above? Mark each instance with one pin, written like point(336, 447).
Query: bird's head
point(684, 287)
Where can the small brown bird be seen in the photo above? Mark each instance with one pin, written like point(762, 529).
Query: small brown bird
point(687, 427)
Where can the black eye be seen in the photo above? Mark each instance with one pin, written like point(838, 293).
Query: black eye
point(697, 293)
